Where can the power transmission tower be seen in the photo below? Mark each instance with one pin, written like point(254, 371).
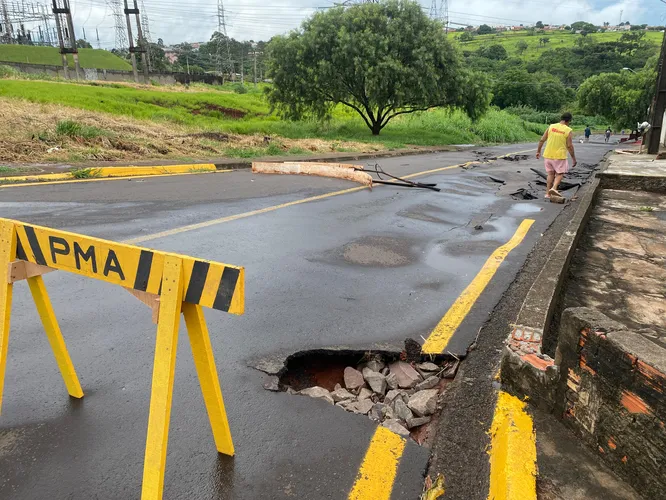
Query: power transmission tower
point(146, 32)
point(7, 35)
point(446, 16)
point(66, 37)
point(434, 10)
point(224, 62)
point(142, 44)
point(119, 24)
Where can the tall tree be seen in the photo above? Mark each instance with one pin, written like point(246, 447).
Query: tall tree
point(379, 59)
point(622, 98)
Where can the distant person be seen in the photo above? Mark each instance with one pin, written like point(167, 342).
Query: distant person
point(608, 134)
point(560, 140)
point(588, 133)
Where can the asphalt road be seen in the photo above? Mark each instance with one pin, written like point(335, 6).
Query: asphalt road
point(357, 269)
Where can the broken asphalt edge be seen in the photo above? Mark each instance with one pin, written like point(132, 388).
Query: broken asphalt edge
point(525, 370)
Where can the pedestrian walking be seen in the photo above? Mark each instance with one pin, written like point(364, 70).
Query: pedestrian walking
point(608, 134)
point(559, 141)
point(588, 133)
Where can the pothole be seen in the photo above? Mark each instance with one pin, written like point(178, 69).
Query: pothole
point(400, 391)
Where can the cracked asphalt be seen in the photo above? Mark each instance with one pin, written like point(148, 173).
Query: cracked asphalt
point(361, 269)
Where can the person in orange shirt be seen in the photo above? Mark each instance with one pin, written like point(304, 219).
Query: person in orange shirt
point(560, 140)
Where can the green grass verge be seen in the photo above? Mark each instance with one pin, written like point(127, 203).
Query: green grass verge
point(558, 39)
point(249, 113)
point(88, 58)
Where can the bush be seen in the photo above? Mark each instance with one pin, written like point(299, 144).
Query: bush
point(239, 88)
point(74, 129)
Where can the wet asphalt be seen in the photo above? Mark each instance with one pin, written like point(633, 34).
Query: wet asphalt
point(360, 269)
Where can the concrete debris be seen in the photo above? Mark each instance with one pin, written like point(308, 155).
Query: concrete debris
point(391, 379)
point(424, 402)
point(380, 412)
point(407, 376)
point(428, 383)
point(341, 395)
point(417, 422)
point(318, 393)
point(375, 380)
point(362, 407)
point(397, 394)
point(401, 410)
point(376, 365)
point(395, 426)
point(391, 395)
point(353, 378)
point(364, 393)
point(428, 367)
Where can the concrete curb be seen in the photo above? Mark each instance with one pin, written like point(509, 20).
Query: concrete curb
point(105, 173)
point(242, 163)
point(525, 369)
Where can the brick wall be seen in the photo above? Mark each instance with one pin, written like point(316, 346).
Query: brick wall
point(611, 392)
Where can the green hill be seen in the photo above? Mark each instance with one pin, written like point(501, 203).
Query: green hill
point(557, 39)
point(88, 58)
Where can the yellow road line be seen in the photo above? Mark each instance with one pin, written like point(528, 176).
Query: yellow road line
point(513, 451)
point(222, 220)
point(99, 179)
point(380, 465)
point(440, 336)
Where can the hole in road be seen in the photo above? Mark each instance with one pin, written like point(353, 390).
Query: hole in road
point(401, 391)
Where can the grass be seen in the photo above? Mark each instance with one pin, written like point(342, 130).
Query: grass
point(646, 209)
point(71, 128)
point(557, 39)
point(57, 121)
point(88, 58)
point(85, 173)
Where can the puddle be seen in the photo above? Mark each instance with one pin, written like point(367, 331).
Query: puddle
point(526, 208)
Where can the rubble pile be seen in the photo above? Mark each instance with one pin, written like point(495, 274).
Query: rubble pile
point(401, 396)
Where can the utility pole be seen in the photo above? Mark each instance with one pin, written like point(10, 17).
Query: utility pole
point(658, 105)
point(72, 37)
point(64, 50)
point(143, 47)
point(131, 44)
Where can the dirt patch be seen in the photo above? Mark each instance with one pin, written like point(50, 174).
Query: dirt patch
point(212, 136)
point(214, 109)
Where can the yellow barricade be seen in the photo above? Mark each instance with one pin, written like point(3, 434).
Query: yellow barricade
point(168, 283)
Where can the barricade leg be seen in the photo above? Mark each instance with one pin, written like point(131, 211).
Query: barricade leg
point(7, 254)
point(208, 379)
point(53, 333)
point(163, 375)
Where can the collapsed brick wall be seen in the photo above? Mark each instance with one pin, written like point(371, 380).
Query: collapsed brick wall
point(611, 392)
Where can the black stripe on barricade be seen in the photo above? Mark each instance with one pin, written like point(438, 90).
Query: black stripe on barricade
point(34, 245)
point(143, 270)
point(20, 253)
point(197, 282)
point(225, 291)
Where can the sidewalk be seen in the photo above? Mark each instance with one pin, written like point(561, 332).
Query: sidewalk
point(589, 346)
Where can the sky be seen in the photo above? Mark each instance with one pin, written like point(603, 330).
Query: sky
point(195, 20)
